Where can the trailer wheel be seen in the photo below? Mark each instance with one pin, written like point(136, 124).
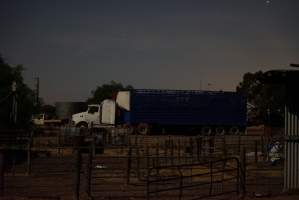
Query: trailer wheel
point(206, 130)
point(220, 130)
point(234, 130)
point(143, 129)
point(129, 129)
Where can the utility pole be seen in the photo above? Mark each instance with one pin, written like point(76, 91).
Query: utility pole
point(36, 91)
point(14, 103)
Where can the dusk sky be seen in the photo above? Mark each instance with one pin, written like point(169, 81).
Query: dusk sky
point(73, 46)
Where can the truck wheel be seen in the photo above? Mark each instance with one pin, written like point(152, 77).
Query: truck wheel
point(82, 125)
point(143, 129)
point(206, 130)
point(220, 130)
point(234, 130)
point(129, 129)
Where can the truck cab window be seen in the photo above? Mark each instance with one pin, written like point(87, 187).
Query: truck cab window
point(93, 109)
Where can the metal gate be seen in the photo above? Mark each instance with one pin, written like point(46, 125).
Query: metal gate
point(195, 181)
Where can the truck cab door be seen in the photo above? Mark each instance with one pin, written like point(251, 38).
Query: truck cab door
point(108, 112)
point(93, 115)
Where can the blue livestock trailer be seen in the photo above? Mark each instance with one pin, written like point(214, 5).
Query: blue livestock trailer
point(206, 112)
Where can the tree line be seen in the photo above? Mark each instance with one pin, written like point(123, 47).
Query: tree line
point(266, 100)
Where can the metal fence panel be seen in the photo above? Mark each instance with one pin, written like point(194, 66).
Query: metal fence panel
point(291, 174)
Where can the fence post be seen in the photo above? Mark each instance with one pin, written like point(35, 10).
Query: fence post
point(179, 150)
point(181, 185)
point(211, 144)
point(243, 171)
point(255, 152)
point(29, 155)
point(148, 182)
point(93, 141)
point(136, 140)
point(191, 149)
point(157, 154)
point(211, 178)
point(58, 143)
point(166, 145)
point(239, 143)
point(171, 153)
point(1, 173)
point(129, 165)
point(224, 147)
point(89, 171)
point(263, 148)
point(138, 162)
point(77, 170)
point(199, 147)
point(147, 158)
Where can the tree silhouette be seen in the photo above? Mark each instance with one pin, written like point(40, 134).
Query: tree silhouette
point(267, 98)
point(24, 96)
point(107, 91)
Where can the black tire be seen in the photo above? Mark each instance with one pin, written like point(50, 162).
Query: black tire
point(130, 129)
point(206, 130)
point(220, 130)
point(82, 125)
point(143, 129)
point(234, 130)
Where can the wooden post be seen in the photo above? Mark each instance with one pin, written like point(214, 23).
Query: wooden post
point(166, 152)
point(58, 144)
point(1, 174)
point(186, 154)
point(171, 153)
point(29, 156)
point(239, 143)
point(147, 158)
point(136, 140)
point(129, 141)
point(157, 155)
point(211, 144)
point(243, 171)
point(93, 143)
point(199, 148)
point(262, 148)
point(109, 138)
point(224, 147)
point(129, 165)
point(255, 152)
point(179, 151)
point(191, 149)
point(89, 171)
point(138, 163)
point(181, 185)
point(77, 157)
point(211, 178)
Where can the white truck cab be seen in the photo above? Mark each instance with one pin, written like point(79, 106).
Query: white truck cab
point(97, 115)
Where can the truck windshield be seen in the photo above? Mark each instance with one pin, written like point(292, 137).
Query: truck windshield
point(93, 109)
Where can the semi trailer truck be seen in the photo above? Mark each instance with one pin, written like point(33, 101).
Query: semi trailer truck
point(143, 110)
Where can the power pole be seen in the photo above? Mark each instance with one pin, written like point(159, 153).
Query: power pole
point(36, 91)
point(14, 112)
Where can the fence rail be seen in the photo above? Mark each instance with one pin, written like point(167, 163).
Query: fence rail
point(74, 163)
